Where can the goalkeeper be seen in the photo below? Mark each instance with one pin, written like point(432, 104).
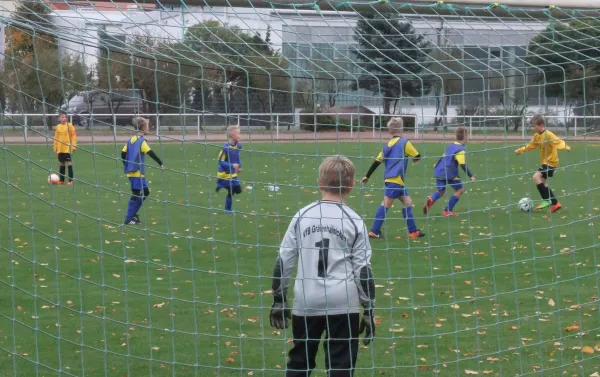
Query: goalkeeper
point(334, 281)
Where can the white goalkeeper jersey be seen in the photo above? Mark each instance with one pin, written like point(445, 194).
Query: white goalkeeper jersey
point(331, 245)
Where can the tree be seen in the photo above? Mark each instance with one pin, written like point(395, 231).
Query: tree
point(237, 68)
point(148, 63)
point(35, 75)
point(393, 57)
point(566, 56)
point(269, 84)
point(322, 84)
point(31, 28)
point(223, 51)
point(45, 78)
point(448, 80)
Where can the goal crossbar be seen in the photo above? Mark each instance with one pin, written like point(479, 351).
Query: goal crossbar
point(435, 6)
point(535, 9)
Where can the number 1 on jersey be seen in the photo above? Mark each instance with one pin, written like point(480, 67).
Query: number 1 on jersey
point(323, 246)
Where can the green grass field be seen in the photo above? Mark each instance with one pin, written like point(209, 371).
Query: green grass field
point(494, 291)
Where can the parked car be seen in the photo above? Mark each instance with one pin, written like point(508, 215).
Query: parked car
point(102, 104)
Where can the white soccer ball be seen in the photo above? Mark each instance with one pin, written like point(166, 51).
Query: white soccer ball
point(53, 179)
point(525, 205)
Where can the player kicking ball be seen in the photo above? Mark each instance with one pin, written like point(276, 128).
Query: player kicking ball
point(134, 163)
point(446, 173)
point(395, 158)
point(334, 282)
point(549, 144)
point(230, 165)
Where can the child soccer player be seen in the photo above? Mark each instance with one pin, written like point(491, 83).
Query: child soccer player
point(549, 145)
point(395, 157)
point(446, 173)
point(65, 143)
point(334, 282)
point(229, 166)
point(134, 156)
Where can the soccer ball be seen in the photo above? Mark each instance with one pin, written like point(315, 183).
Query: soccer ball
point(53, 179)
point(525, 205)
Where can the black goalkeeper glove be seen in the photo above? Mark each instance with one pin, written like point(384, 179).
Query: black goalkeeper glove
point(367, 323)
point(280, 315)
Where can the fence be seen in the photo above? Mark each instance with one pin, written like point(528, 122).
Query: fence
point(354, 123)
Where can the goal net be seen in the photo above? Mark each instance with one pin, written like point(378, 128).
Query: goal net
point(186, 288)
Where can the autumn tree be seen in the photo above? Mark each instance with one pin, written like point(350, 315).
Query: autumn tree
point(35, 75)
point(30, 29)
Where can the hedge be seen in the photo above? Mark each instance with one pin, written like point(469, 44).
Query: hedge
point(326, 123)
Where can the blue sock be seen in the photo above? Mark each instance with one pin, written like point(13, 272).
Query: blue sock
point(435, 196)
point(131, 209)
point(228, 203)
point(410, 220)
point(452, 203)
point(379, 219)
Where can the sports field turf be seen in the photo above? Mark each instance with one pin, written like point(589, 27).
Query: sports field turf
point(494, 291)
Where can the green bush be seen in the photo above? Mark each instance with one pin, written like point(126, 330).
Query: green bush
point(382, 121)
point(326, 123)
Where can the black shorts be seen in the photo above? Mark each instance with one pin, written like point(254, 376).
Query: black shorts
point(64, 157)
point(547, 171)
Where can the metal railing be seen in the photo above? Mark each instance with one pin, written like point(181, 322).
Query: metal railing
point(352, 122)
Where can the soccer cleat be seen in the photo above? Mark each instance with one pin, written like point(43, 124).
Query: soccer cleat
point(130, 222)
point(545, 204)
point(61, 183)
point(70, 183)
point(449, 213)
point(555, 207)
point(417, 234)
point(427, 205)
point(374, 235)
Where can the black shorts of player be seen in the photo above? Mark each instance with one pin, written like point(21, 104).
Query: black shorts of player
point(64, 157)
point(340, 345)
point(547, 171)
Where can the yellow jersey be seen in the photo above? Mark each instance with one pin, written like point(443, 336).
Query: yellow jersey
point(65, 138)
point(145, 148)
point(549, 145)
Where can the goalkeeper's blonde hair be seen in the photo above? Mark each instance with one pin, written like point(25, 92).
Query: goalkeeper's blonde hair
point(140, 123)
point(395, 124)
point(336, 175)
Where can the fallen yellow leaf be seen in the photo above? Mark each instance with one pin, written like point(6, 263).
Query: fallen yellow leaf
point(467, 371)
point(551, 302)
point(588, 350)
